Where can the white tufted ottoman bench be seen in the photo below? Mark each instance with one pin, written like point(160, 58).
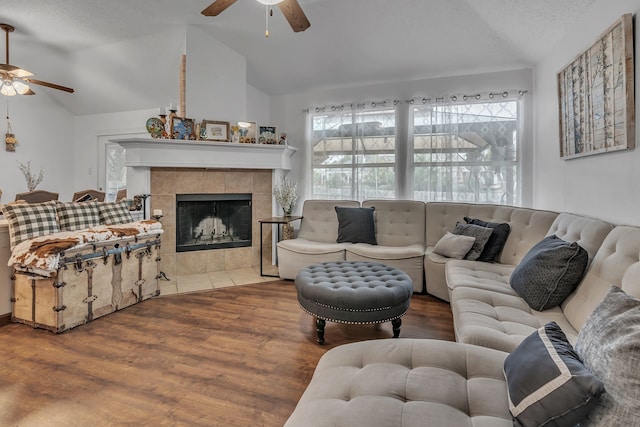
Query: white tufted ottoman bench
point(356, 292)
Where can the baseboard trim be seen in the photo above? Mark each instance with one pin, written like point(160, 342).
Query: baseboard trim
point(5, 319)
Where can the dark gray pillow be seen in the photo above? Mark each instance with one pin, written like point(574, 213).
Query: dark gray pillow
point(494, 245)
point(481, 234)
point(549, 272)
point(356, 225)
point(547, 382)
point(609, 345)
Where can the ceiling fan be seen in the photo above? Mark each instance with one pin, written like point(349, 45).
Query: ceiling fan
point(15, 80)
point(290, 9)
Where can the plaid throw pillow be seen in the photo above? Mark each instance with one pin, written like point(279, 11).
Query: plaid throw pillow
point(27, 221)
point(114, 213)
point(77, 216)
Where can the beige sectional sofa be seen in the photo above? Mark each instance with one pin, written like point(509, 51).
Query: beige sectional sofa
point(432, 383)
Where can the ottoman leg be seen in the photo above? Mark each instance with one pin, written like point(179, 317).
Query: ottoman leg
point(396, 327)
point(320, 330)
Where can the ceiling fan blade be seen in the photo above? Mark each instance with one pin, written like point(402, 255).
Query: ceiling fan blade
point(295, 16)
point(51, 85)
point(217, 7)
point(15, 71)
point(30, 92)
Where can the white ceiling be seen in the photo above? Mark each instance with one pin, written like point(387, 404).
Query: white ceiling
point(349, 41)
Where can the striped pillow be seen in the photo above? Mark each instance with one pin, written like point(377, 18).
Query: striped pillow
point(547, 382)
point(27, 221)
point(77, 216)
point(112, 213)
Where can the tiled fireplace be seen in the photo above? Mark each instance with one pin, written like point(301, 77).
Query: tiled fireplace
point(166, 183)
point(167, 168)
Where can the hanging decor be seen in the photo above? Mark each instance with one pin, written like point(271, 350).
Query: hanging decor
point(9, 136)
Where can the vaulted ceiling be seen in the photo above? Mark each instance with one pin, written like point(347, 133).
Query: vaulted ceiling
point(349, 41)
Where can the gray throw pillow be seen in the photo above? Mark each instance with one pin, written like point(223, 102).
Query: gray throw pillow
point(549, 272)
point(453, 245)
point(609, 345)
point(493, 247)
point(356, 225)
point(547, 382)
point(481, 235)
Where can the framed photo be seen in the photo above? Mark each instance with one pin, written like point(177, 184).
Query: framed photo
point(267, 135)
point(214, 131)
point(596, 95)
point(182, 128)
point(248, 132)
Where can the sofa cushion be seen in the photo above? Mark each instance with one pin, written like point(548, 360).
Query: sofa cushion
point(304, 246)
point(609, 344)
point(549, 272)
point(77, 216)
point(408, 382)
point(481, 235)
point(112, 213)
point(454, 245)
point(28, 220)
point(398, 222)
point(547, 382)
point(356, 225)
point(498, 320)
point(386, 252)
point(498, 238)
point(479, 275)
point(320, 222)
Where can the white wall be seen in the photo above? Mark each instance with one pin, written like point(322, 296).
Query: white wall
point(287, 111)
point(45, 137)
point(604, 185)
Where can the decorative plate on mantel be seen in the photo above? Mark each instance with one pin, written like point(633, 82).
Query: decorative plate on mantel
point(155, 127)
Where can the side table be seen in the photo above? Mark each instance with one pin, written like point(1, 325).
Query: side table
point(279, 220)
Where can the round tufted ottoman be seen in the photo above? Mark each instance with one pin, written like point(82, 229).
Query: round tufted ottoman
point(354, 292)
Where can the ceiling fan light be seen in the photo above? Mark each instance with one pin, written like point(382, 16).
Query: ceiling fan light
point(20, 87)
point(8, 89)
point(270, 2)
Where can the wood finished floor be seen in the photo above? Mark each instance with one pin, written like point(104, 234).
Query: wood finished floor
point(229, 357)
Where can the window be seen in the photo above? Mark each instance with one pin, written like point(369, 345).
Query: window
point(466, 152)
point(354, 154)
point(431, 151)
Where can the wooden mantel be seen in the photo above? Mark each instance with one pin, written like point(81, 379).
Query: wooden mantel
point(149, 152)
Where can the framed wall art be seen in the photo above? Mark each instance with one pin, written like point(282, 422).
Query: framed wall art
point(596, 95)
point(215, 130)
point(182, 128)
point(247, 132)
point(267, 135)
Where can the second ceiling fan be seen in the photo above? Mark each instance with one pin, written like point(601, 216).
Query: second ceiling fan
point(290, 9)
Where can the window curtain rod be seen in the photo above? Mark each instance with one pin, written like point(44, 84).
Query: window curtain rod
point(353, 106)
point(467, 97)
point(417, 100)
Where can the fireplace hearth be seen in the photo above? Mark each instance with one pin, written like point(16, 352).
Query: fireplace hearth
point(212, 221)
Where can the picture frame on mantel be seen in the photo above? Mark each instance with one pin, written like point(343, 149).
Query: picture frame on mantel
point(213, 130)
point(267, 135)
point(596, 95)
point(182, 128)
point(248, 132)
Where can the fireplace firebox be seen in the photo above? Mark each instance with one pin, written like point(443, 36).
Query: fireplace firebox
point(212, 221)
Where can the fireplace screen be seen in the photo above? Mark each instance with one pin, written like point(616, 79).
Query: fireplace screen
point(212, 221)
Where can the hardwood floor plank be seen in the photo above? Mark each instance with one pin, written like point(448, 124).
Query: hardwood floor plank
point(236, 356)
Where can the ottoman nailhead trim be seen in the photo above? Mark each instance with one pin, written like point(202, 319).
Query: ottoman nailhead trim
point(352, 322)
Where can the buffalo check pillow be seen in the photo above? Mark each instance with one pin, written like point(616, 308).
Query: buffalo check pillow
point(27, 221)
point(114, 213)
point(77, 216)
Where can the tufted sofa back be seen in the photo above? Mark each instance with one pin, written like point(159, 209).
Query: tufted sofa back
point(320, 221)
point(589, 233)
point(398, 222)
point(528, 226)
point(617, 263)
